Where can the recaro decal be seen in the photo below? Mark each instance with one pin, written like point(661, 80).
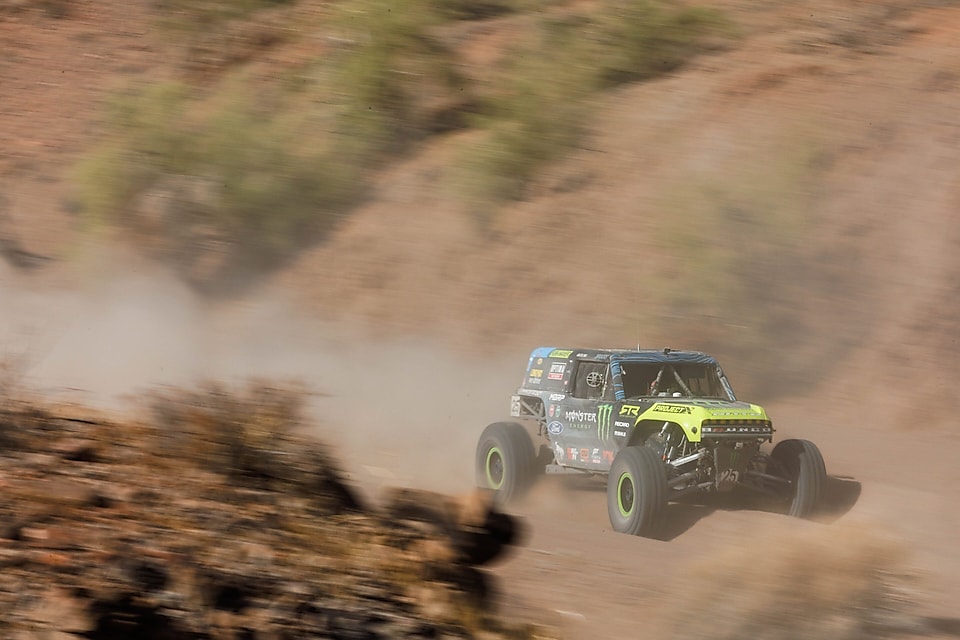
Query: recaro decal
point(620, 428)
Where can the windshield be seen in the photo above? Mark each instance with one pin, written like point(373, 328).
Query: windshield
point(689, 380)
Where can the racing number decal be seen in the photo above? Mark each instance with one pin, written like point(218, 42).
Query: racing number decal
point(729, 475)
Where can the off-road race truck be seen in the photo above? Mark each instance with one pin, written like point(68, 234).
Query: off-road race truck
point(660, 424)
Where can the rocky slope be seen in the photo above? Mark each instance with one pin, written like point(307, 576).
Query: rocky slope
point(213, 521)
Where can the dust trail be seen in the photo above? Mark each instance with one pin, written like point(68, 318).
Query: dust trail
point(399, 413)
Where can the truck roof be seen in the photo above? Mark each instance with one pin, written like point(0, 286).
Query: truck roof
point(624, 355)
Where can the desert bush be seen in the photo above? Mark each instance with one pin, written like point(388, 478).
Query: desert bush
point(532, 117)
point(537, 111)
point(239, 433)
point(230, 178)
point(189, 172)
point(249, 436)
point(479, 9)
point(238, 175)
point(393, 79)
point(641, 39)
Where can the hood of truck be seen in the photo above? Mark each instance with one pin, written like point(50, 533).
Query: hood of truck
point(691, 414)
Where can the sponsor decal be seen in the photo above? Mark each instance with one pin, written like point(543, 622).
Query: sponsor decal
point(577, 416)
point(671, 408)
point(553, 408)
point(558, 452)
point(604, 411)
point(555, 427)
point(533, 380)
point(539, 361)
point(595, 457)
point(557, 397)
point(630, 410)
point(572, 454)
point(608, 456)
point(584, 455)
point(619, 434)
point(559, 353)
point(536, 373)
point(556, 370)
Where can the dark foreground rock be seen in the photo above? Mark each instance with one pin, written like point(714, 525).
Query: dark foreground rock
point(212, 520)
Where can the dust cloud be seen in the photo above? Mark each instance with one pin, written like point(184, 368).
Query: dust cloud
point(397, 413)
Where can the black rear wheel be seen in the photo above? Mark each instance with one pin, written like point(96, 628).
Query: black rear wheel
point(801, 464)
point(636, 491)
point(505, 460)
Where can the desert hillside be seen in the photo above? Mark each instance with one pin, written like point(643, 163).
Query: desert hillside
point(785, 194)
point(788, 201)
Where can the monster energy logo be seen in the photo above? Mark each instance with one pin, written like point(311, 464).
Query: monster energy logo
point(604, 411)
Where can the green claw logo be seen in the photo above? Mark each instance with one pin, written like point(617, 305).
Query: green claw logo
point(604, 412)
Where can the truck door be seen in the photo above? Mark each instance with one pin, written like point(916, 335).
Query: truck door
point(584, 421)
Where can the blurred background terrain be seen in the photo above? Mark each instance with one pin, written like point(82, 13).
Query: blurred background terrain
point(396, 201)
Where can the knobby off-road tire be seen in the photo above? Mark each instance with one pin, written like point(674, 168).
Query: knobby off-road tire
point(800, 462)
point(505, 460)
point(637, 491)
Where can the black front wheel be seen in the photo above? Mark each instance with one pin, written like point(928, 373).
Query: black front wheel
point(636, 491)
point(800, 463)
point(505, 460)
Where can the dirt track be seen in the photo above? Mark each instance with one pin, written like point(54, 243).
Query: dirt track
point(575, 573)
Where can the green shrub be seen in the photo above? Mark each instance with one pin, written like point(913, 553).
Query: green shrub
point(240, 174)
point(536, 112)
point(393, 79)
point(534, 116)
point(640, 39)
point(475, 9)
point(255, 177)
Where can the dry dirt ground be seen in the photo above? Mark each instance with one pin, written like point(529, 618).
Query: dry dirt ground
point(408, 301)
